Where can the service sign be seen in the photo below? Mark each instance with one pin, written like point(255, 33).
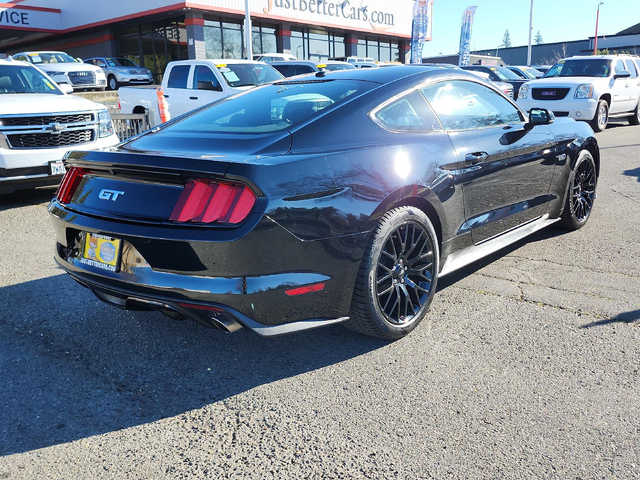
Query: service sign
point(19, 17)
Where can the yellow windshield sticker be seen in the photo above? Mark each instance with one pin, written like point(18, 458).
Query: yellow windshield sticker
point(221, 65)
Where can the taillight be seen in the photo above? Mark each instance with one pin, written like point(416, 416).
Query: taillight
point(208, 201)
point(69, 184)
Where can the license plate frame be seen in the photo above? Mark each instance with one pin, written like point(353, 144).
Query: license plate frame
point(57, 167)
point(101, 251)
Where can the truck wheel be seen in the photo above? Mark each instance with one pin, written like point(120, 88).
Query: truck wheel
point(635, 118)
point(601, 118)
point(112, 83)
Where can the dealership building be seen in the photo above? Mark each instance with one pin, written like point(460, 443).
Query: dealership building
point(154, 32)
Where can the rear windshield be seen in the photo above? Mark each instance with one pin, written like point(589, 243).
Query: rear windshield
point(272, 108)
point(248, 74)
point(504, 74)
point(597, 67)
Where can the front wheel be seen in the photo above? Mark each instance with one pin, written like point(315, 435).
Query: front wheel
point(112, 83)
point(601, 117)
point(635, 118)
point(581, 193)
point(398, 275)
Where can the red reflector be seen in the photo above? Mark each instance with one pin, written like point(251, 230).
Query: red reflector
point(200, 307)
point(69, 184)
point(308, 289)
point(207, 201)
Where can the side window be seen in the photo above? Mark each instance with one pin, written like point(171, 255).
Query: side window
point(407, 113)
point(632, 68)
point(620, 66)
point(205, 79)
point(285, 70)
point(464, 105)
point(178, 76)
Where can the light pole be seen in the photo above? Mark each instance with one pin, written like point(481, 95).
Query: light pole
point(595, 43)
point(530, 32)
point(247, 30)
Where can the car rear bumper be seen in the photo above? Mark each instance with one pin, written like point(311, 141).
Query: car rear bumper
point(243, 279)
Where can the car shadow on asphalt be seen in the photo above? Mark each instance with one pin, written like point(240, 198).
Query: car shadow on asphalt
point(72, 367)
point(626, 317)
point(633, 173)
point(23, 198)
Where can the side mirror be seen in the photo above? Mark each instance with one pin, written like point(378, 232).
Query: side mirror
point(209, 86)
point(622, 74)
point(66, 88)
point(540, 116)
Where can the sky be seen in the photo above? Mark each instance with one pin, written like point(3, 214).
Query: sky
point(557, 21)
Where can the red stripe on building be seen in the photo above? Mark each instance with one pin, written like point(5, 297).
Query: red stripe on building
point(28, 7)
point(193, 21)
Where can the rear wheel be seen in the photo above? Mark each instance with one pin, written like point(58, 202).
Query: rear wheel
point(397, 277)
point(635, 118)
point(601, 118)
point(581, 193)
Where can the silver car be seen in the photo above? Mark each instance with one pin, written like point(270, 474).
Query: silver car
point(122, 71)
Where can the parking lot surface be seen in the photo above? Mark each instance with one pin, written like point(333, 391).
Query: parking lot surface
point(528, 367)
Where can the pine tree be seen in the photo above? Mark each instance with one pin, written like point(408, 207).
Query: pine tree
point(538, 39)
point(506, 40)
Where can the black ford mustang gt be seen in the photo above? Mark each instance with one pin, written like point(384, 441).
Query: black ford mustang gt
point(330, 198)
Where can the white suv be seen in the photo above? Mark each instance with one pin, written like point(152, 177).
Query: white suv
point(593, 89)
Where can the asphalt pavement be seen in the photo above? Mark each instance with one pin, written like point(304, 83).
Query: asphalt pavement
point(527, 367)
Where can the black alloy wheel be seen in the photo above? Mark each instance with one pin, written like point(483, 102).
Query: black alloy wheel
point(581, 193)
point(398, 275)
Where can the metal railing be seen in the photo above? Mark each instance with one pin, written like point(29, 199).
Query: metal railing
point(127, 125)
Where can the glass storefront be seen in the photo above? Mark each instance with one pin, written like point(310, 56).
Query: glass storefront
point(153, 45)
point(226, 39)
point(378, 49)
point(316, 44)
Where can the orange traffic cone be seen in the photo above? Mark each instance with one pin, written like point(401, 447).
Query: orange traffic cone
point(163, 106)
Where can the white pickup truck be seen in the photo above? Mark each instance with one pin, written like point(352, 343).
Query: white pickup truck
point(189, 84)
point(39, 123)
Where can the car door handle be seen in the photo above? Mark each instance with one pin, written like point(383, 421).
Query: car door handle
point(193, 98)
point(475, 158)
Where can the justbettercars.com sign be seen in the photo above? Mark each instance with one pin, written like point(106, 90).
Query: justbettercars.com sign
point(361, 13)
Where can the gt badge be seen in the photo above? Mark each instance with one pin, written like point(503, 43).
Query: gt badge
point(109, 194)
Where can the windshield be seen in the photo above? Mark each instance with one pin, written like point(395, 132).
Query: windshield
point(339, 66)
point(120, 62)
point(532, 72)
point(248, 74)
point(271, 108)
point(25, 79)
point(50, 57)
point(505, 74)
point(596, 67)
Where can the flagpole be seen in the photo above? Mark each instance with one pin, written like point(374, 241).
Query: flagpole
point(247, 30)
point(530, 32)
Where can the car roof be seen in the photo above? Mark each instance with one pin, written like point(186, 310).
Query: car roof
point(294, 62)
point(384, 75)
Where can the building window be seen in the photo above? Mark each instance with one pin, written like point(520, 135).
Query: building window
point(317, 45)
point(223, 39)
point(378, 49)
point(263, 39)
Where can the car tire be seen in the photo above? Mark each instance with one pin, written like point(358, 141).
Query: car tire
point(635, 118)
point(581, 193)
point(112, 83)
point(601, 117)
point(400, 267)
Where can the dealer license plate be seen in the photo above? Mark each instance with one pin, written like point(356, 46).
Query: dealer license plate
point(101, 251)
point(57, 168)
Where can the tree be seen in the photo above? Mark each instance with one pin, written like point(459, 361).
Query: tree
point(506, 40)
point(538, 39)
